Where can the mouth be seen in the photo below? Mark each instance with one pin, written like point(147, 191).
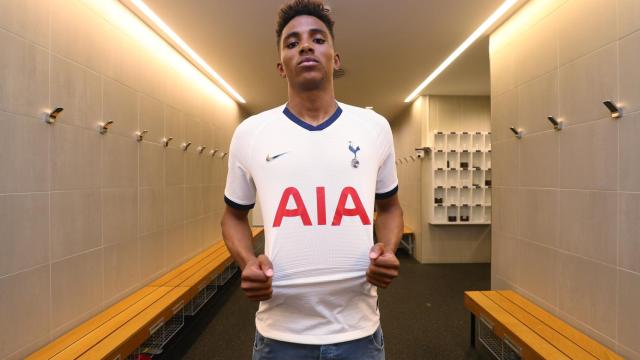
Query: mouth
point(308, 61)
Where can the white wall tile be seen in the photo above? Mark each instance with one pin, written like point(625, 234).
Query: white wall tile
point(24, 309)
point(77, 90)
point(121, 268)
point(505, 163)
point(538, 52)
point(588, 156)
point(586, 83)
point(75, 158)
point(174, 245)
point(174, 205)
point(76, 286)
point(539, 160)
point(629, 150)
point(504, 256)
point(629, 72)
point(538, 268)
point(152, 251)
point(76, 222)
point(174, 167)
point(24, 161)
point(505, 214)
point(629, 248)
point(597, 18)
point(28, 19)
point(120, 105)
point(588, 222)
point(628, 16)
point(194, 205)
point(119, 215)
point(538, 99)
point(151, 165)
point(24, 220)
point(503, 75)
point(504, 114)
point(174, 126)
point(539, 215)
point(629, 319)
point(120, 161)
point(585, 292)
point(24, 70)
point(151, 210)
point(152, 119)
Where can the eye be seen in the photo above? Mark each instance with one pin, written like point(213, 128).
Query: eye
point(319, 40)
point(292, 45)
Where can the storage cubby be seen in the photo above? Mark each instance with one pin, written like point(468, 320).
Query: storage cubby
point(465, 196)
point(452, 160)
point(452, 141)
point(452, 214)
point(439, 214)
point(478, 160)
point(461, 164)
point(465, 178)
point(440, 160)
point(439, 142)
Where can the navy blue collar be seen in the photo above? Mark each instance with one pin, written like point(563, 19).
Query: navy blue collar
point(310, 127)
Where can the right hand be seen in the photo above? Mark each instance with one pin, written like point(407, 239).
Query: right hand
point(256, 279)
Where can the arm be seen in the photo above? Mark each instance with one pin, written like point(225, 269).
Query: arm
point(384, 265)
point(256, 271)
point(236, 233)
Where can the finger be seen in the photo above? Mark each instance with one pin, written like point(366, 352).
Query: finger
point(387, 260)
point(265, 265)
point(376, 251)
point(261, 293)
point(377, 282)
point(249, 285)
point(383, 272)
point(254, 275)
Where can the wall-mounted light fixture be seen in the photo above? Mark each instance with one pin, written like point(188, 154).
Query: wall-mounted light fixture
point(153, 21)
point(517, 133)
point(615, 111)
point(104, 127)
point(557, 124)
point(51, 117)
point(140, 135)
point(454, 55)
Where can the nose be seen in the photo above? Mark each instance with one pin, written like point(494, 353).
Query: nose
point(306, 47)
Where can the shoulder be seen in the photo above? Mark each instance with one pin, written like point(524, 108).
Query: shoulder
point(254, 123)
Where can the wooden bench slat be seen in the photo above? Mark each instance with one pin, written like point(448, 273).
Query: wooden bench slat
point(177, 280)
point(132, 334)
point(88, 341)
point(88, 326)
point(256, 230)
point(407, 230)
point(204, 276)
point(592, 346)
point(556, 339)
point(186, 265)
point(533, 346)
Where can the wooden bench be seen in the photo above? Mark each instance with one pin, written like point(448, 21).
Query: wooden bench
point(120, 329)
point(512, 327)
point(408, 239)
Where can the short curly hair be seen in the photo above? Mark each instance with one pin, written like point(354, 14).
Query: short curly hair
point(296, 8)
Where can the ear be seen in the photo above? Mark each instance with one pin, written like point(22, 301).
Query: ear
point(281, 71)
point(336, 61)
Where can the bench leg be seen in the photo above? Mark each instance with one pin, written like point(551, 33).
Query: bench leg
point(472, 330)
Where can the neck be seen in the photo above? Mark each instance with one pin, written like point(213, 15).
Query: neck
point(312, 106)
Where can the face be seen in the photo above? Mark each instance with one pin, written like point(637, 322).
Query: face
point(307, 57)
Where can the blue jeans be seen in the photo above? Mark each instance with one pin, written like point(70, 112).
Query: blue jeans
point(367, 348)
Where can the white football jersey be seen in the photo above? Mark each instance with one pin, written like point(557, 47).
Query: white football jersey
point(317, 187)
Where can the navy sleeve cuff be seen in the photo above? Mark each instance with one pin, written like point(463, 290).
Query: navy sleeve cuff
point(235, 205)
point(387, 194)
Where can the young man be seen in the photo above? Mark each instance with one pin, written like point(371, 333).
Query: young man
point(318, 167)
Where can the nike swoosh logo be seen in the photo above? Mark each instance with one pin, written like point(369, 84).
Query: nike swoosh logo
point(269, 158)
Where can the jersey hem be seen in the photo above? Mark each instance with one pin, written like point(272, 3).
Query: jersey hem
point(235, 205)
point(317, 339)
point(387, 194)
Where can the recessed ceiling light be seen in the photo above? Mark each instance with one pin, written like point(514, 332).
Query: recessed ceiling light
point(147, 15)
point(454, 55)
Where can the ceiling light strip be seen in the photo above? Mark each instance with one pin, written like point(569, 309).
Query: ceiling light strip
point(186, 50)
point(454, 55)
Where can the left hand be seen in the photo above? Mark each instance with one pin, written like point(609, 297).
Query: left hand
point(384, 266)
